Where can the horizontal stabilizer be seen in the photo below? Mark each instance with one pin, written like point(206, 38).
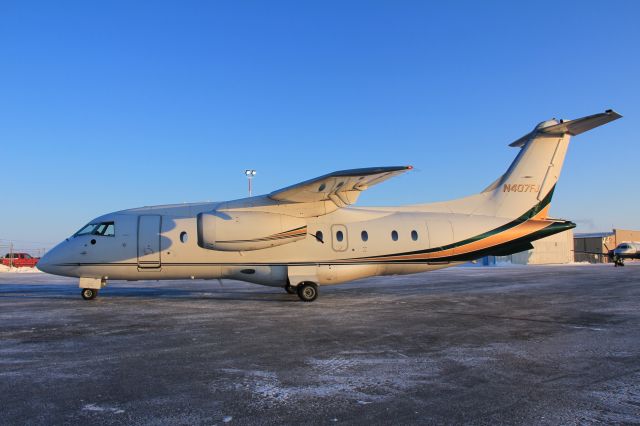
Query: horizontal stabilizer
point(572, 127)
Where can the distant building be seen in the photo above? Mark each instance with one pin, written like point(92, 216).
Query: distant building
point(566, 247)
point(587, 245)
point(554, 249)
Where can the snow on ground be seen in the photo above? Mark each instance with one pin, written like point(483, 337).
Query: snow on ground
point(5, 268)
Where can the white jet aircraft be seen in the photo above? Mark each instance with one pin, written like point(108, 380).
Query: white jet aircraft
point(626, 250)
point(308, 234)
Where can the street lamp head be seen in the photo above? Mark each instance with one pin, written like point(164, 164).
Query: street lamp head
point(250, 173)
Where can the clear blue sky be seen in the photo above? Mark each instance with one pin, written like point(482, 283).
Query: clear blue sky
point(112, 105)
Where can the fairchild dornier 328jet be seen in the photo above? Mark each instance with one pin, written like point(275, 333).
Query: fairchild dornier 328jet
point(308, 234)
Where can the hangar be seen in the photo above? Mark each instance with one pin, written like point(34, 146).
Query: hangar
point(554, 249)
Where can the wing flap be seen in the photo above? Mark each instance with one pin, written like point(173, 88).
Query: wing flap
point(341, 187)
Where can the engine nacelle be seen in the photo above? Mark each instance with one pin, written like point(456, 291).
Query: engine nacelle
point(245, 231)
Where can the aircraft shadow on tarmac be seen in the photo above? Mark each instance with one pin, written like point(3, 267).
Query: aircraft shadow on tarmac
point(66, 291)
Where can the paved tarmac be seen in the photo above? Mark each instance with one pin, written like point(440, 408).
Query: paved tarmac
point(518, 345)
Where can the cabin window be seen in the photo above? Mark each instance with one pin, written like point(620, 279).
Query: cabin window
point(339, 236)
point(184, 237)
point(414, 235)
point(394, 235)
point(364, 235)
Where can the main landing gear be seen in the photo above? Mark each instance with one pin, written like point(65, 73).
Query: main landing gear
point(89, 293)
point(306, 291)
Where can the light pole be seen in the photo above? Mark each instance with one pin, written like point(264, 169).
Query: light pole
point(250, 174)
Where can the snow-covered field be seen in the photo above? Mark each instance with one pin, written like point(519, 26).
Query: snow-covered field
point(5, 268)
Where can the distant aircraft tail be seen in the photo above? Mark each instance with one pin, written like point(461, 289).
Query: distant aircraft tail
point(526, 188)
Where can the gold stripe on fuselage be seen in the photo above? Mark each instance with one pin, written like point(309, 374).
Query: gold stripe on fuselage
point(531, 226)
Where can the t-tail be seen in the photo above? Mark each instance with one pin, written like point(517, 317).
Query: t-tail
point(527, 186)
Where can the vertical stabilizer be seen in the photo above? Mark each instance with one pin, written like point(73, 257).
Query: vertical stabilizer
point(528, 184)
point(532, 176)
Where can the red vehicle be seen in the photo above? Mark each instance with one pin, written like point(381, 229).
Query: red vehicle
point(20, 260)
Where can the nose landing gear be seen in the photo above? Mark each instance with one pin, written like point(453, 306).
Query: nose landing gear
point(89, 293)
point(90, 287)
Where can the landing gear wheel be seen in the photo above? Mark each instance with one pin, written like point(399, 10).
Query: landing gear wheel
point(290, 289)
point(307, 292)
point(89, 293)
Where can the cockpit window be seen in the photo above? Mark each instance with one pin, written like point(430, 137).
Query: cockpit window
point(624, 246)
point(110, 230)
point(106, 229)
point(87, 229)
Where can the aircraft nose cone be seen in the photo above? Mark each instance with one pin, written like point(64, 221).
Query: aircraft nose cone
point(50, 262)
point(44, 264)
point(54, 261)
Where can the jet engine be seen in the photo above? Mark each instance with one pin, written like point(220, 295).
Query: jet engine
point(245, 231)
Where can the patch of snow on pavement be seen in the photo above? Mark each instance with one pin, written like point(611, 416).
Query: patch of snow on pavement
point(5, 268)
point(97, 408)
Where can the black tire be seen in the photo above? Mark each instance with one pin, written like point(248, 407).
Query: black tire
point(307, 292)
point(290, 289)
point(89, 293)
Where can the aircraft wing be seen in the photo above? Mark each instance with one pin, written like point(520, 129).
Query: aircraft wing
point(342, 187)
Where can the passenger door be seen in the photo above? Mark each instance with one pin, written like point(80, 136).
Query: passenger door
point(149, 241)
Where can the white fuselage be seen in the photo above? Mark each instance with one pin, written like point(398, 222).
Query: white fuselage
point(628, 249)
point(354, 243)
